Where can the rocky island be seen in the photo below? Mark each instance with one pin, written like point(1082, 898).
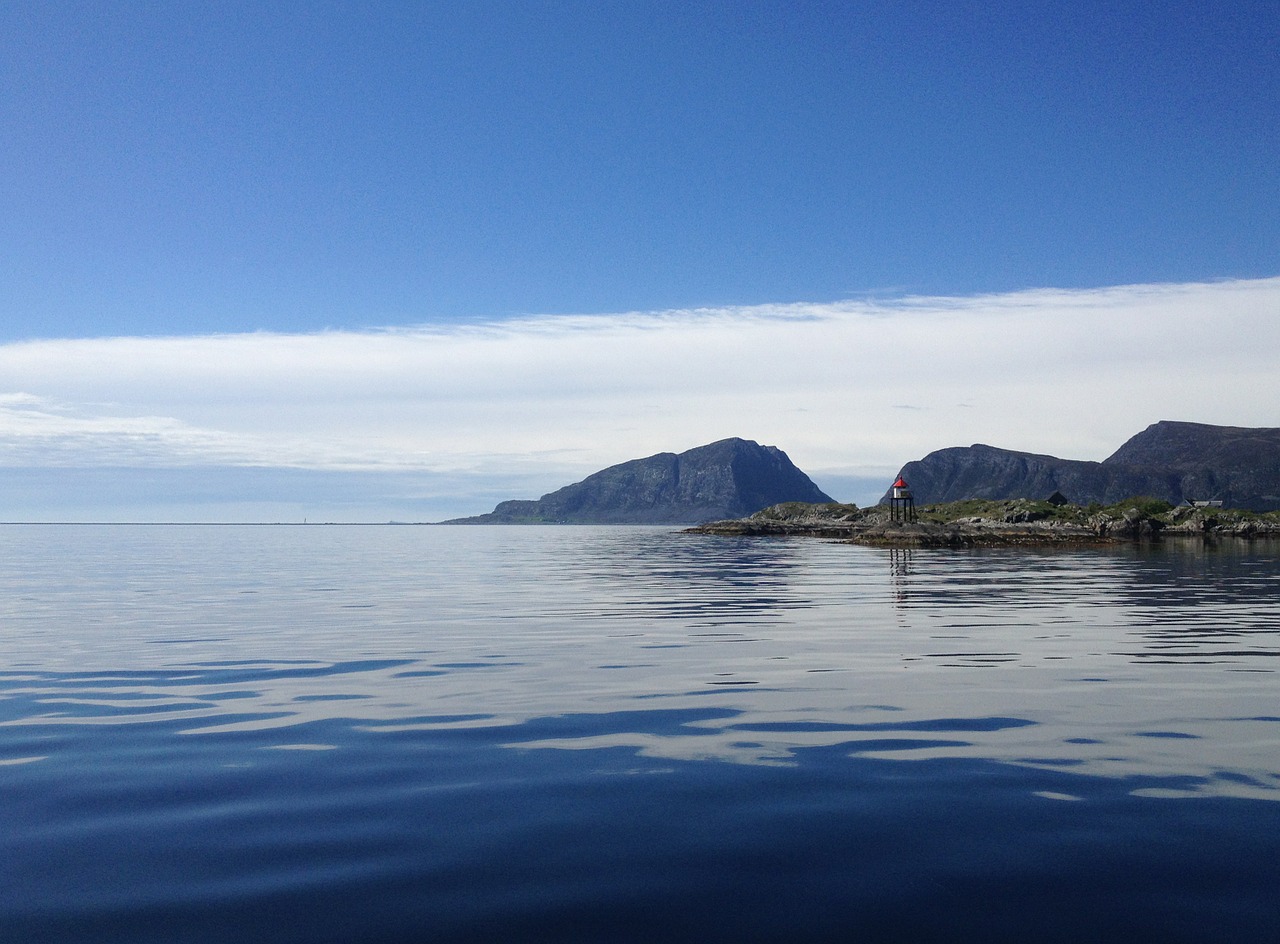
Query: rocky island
point(993, 523)
point(1193, 480)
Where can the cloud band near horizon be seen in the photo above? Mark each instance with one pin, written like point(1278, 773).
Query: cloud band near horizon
point(848, 388)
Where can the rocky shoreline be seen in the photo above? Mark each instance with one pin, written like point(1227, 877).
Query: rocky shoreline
point(1015, 522)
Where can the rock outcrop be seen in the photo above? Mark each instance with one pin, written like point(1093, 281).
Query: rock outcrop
point(1172, 461)
point(726, 479)
point(1009, 522)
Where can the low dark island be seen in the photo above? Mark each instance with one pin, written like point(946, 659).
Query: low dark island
point(988, 523)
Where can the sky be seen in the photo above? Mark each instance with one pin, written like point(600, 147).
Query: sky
point(401, 261)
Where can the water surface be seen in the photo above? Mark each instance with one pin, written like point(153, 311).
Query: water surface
point(623, 734)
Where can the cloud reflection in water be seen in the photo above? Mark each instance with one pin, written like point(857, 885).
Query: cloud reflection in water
point(1111, 663)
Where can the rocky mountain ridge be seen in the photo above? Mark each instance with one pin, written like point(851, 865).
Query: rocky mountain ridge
point(1173, 461)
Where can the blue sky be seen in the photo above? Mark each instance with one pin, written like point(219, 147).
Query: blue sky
point(355, 198)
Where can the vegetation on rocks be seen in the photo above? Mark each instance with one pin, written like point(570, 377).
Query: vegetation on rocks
point(996, 522)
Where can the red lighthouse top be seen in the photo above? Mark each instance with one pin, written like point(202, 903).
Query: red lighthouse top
point(901, 483)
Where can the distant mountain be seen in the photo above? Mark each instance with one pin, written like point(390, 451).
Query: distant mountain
point(1188, 447)
point(1170, 460)
point(981, 471)
point(731, 478)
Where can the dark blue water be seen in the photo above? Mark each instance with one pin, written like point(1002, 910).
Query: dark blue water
point(243, 734)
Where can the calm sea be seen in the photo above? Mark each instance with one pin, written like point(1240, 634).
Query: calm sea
point(378, 734)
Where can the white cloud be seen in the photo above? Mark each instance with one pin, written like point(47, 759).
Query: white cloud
point(847, 387)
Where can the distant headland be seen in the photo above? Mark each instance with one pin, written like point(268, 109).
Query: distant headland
point(1174, 461)
point(723, 479)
